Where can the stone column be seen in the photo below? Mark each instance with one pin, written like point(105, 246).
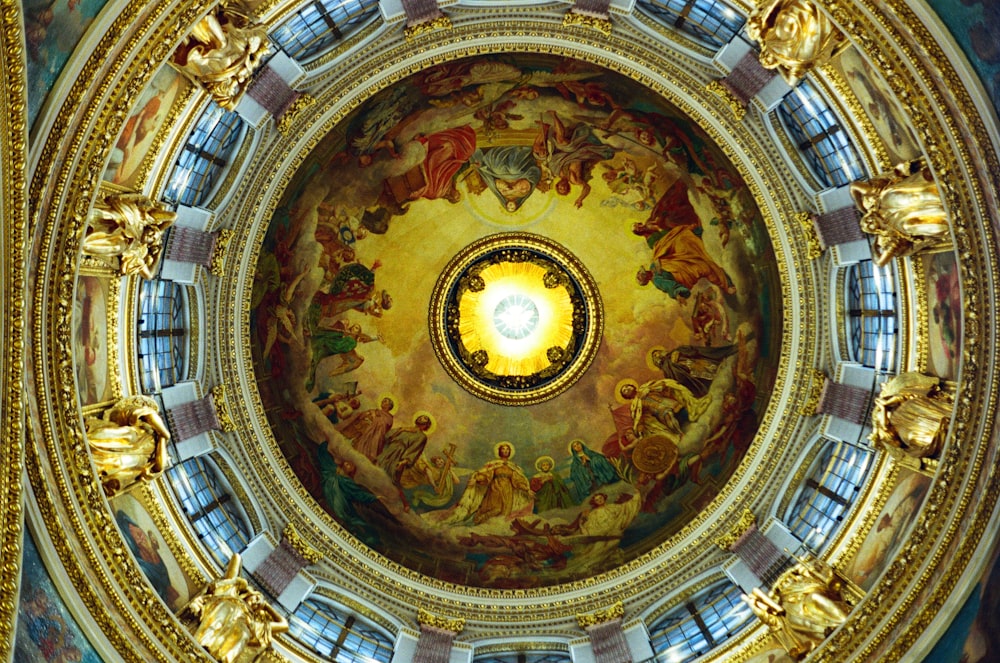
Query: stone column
point(743, 83)
point(292, 555)
point(196, 417)
point(423, 16)
point(190, 245)
point(838, 226)
point(436, 637)
point(607, 638)
point(845, 402)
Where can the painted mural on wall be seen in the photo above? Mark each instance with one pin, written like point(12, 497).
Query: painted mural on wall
point(53, 29)
point(972, 636)
point(151, 553)
point(46, 631)
point(409, 462)
point(975, 25)
point(944, 312)
point(883, 540)
point(141, 127)
point(94, 295)
point(878, 102)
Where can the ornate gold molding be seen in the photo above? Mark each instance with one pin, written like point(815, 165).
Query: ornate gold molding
point(735, 104)
point(807, 221)
point(13, 207)
point(218, 264)
point(441, 22)
point(300, 545)
point(455, 625)
point(614, 611)
point(599, 23)
point(292, 113)
point(737, 531)
point(221, 409)
point(816, 383)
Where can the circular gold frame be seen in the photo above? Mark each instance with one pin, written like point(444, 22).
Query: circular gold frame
point(566, 362)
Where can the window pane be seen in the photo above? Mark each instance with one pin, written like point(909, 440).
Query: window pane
point(710, 22)
point(826, 148)
point(320, 24)
point(204, 156)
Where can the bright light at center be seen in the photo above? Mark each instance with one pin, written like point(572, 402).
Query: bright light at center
point(515, 316)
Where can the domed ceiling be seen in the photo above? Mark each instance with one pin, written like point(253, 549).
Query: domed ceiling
point(512, 337)
point(435, 460)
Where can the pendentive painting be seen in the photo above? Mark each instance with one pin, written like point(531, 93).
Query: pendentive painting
point(46, 631)
point(473, 490)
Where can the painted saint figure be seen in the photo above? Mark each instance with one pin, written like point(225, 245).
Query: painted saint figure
point(499, 489)
point(589, 470)
point(550, 491)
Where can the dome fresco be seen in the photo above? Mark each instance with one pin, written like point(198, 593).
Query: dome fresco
point(408, 460)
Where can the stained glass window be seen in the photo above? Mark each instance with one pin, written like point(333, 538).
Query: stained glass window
point(204, 157)
point(710, 22)
point(320, 24)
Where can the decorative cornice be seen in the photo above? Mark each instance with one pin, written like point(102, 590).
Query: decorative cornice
point(300, 545)
point(612, 612)
point(221, 409)
point(287, 119)
point(600, 23)
point(817, 382)
point(734, 102)
point(738, 530)
point(441, 22)
point(454, 625)
point(222, 237)
point(808, 222)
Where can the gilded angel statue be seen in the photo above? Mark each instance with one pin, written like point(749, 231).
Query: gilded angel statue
point(128, 444)
point(794, 36)
point(903, 209)
point(804, 606)
point(222, 52)
point(131, 228)
point(230, 618)
point(911, 415)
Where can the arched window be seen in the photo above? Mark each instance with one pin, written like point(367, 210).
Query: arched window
point(710, 22)
point(827, 493)
point(337, 636)
point(209, 503)
point(871, 315)
point(204, 156)
point(701, 624)
point(163, 335)
point(320, 24)
point(825, 146)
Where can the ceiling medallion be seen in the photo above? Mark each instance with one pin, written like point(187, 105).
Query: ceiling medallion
point(515, 318)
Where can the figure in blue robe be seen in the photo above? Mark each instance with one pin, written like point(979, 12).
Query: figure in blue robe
point(589, 470)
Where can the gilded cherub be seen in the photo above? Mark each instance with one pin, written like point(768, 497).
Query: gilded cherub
point(222, 52)
point(129, 443)
point(130, 227)
point(794, 36)
point(903, 209)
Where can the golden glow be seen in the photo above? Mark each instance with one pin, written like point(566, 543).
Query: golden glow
point(510, 356)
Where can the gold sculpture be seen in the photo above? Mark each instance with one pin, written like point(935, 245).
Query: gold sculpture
point(129, 443)
point(910, 417)
point(904, 209)
point(222, 52)
point(804, 605)
point(131, 227)
point(233, 619)
point(794, 36)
